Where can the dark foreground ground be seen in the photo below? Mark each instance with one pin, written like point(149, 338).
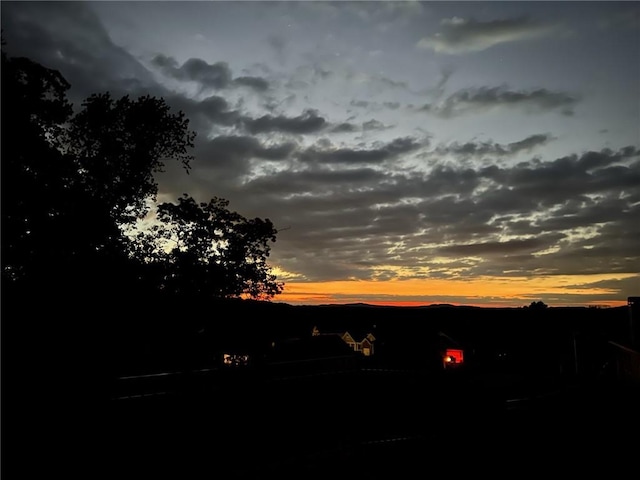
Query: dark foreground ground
point(357, 424)
point(64, 417)
point(67, 415)
point(383, 425)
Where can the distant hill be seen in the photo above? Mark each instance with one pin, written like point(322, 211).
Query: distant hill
point(369, 305)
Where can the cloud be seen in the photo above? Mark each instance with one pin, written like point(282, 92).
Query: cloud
point(69, 37)
point(572, 176)
point(615, 285)
point(324, 184)
point(221, 165)
point(204, 114)
point(216, 75)
point(481, 149)
point(247, 147)
point(482, 99)
point(372, 106)
point(460, 35)
point(308, 122)
point(259, 84)
point(439, 88)
point(501, 248)
point(209, 75)
point(345, 127)
point(360, 103)
point(571, 215)
point(374, 124)
point(351, 156)
point(368, 126)
point(529, 143)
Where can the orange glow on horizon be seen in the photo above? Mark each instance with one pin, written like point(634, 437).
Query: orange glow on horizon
point(480, 291)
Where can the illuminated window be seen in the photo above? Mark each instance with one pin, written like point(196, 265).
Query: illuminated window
point(453, 356)
point(235, 360)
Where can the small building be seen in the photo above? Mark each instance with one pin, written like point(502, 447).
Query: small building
point(365, 346)
point(451, 351)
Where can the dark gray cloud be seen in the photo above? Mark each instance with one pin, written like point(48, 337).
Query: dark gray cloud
point(613, 288)
point(529, 143)
point(368, 126)
point(460, 35)
point(345, 127)
point(482, 99)
point(68, 37)
point(216, 75)
point(507, 247)
point(221, 164)
point(373, 106)
point(553, 182)
point(247, 147)
point(576, 213)
point(527, 219)
point(351, 156)
point(259, 84)
point(481, 149)
point(360, 103)
point(297, 185)
point(208, 75)
point(203, 114)
point(610, 248)
point(374, 124)
point(308, 122)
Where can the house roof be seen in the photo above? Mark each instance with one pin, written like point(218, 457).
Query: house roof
point(348, 334)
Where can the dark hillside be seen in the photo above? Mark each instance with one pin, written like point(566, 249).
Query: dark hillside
point(182, 331)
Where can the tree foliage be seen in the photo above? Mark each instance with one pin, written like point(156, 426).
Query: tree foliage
point(205, 248)
point(73, 181)
point(38, 194)
point(70, 181)
point(539, 305)
point(118, 145)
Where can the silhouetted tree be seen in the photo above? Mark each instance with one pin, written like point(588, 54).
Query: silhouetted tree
point(118, 145)
point(207, 249)
point(70, 182)
point(35, 175)
point(539, 305)
point(73, 184)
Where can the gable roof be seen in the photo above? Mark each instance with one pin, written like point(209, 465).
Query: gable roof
point(355, 335)
point(346, 336)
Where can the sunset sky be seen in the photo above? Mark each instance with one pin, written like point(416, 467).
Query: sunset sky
point(409, 153)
